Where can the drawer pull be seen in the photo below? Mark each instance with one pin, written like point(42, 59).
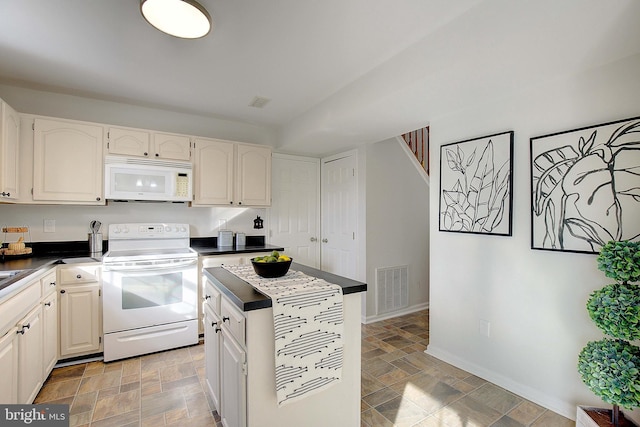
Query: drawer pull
point(52, 284)
point(206, 297)
point(48, 304)
point(62, 291)
point(224, 319)
point(79, 276)
point(217, 330)
point(214, 323)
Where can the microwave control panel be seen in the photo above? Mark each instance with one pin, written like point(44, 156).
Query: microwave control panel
point(182, 185)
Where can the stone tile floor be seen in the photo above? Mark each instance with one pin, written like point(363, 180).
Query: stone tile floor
point(401, 386)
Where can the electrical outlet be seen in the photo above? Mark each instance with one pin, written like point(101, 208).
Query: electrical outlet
point(49, 225)
point(484, 328)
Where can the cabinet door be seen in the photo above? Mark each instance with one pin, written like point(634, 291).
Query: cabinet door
point(79, 319)
point(9, 137)
point(213, 171)
point(30, 356)
point(50, 333)
point(130, 142)
point(234, 382)
point(253, 175)
point(67, 163)
point(212, 356)
point(9, 367)
point(168, 146)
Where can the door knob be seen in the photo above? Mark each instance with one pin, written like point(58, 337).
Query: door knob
point(325, 241)
point(313, 239)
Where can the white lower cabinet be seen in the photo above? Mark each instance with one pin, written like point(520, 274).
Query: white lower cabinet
point(225, 358)
point(50, 332)
point(80, 310)
point(9, 367)
point(30, 351)
point(79, 319)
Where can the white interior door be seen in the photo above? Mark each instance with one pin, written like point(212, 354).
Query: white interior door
point(339, 215)
point(295, 207)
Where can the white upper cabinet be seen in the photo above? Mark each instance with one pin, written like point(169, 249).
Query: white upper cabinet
point(231, 174)
point(253, 175)
point(9, 137)
point(148, 144)
point(213, 172)
point(67, 162)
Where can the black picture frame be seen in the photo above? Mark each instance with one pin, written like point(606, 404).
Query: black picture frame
point(585, 187)
point(476, 182)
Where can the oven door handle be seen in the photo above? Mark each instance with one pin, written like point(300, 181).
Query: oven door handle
point(141, 266)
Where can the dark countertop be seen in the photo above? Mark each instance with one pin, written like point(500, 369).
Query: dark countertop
point(247, 298)
point(225, 250)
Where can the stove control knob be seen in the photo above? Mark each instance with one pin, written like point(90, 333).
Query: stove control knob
point(183, 229)
point(116, 230)
point(167, 229)
point(125, 230)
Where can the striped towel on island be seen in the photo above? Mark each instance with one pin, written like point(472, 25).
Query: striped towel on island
point(309, 328)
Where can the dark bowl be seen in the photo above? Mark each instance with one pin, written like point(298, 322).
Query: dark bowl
point(271, 269)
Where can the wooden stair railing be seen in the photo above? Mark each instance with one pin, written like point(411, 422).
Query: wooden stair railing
point(418, 142)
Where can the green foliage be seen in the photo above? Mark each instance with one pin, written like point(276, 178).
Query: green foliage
point(620, 261)
point(611, 369)
point(616, 310)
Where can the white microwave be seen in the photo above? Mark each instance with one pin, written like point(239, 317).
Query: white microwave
point(130, 178)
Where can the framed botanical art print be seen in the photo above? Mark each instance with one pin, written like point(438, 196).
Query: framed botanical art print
point(475, 185)
point(585, 187)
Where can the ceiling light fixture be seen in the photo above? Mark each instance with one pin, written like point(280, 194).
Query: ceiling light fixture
point(186, 19)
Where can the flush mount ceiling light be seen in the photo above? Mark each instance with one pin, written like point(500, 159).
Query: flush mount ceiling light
point(186, 19)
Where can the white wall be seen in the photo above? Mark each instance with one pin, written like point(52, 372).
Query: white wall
point(397, 222)
point(534, 300)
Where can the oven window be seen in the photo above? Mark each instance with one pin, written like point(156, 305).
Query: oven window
point(151, 291)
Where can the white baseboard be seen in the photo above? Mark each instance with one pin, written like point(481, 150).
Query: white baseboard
point(408, 310)
point(563, 408)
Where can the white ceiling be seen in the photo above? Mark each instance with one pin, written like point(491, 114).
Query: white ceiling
point(338, 72)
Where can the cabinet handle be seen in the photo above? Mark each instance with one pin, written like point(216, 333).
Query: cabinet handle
point(62, 291)
point(206, 297)
point(157, 155)
point(325, 241)
point(231, 202)
point(239, 203)
point(224, 319)
point(48, 304)
point(217, 330)
point(214, 323)
point(6, 194)
point(52, 284)
point(97, 199)
point(79, 276)
point(313, 239)
point(146, 154)
point(21, 331)
point(27, 326)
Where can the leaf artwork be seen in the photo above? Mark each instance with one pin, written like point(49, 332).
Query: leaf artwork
point(475, 194)
point(585, 187)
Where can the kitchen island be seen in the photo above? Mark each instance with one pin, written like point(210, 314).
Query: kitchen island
point(240, 357)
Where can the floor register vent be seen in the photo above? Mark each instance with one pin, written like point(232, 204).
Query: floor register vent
point(392, 287)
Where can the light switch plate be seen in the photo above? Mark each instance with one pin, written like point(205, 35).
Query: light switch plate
point(49, 225)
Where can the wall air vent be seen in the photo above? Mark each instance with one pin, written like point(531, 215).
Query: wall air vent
point(259, 102)
point(392, 288)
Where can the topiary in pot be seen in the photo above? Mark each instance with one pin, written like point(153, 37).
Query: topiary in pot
point(611, 367)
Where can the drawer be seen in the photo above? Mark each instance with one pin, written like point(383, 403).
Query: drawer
point(48, 283)
point(212, 297)
point(233, 320)
point(79, 274)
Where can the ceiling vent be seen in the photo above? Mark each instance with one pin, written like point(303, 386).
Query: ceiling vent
point(259, 102)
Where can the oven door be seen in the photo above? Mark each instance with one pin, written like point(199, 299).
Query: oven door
point(147, 293)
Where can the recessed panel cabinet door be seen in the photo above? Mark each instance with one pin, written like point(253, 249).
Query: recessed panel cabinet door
point(9, 147)
point(253, 175)
point(79, 319)
point(213, 170)
point(169, 146)
point(9, 367)
point(129, 142)
point(30, 360)
point(67, 164)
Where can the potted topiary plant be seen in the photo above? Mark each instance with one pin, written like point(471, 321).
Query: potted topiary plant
point(610, 367)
